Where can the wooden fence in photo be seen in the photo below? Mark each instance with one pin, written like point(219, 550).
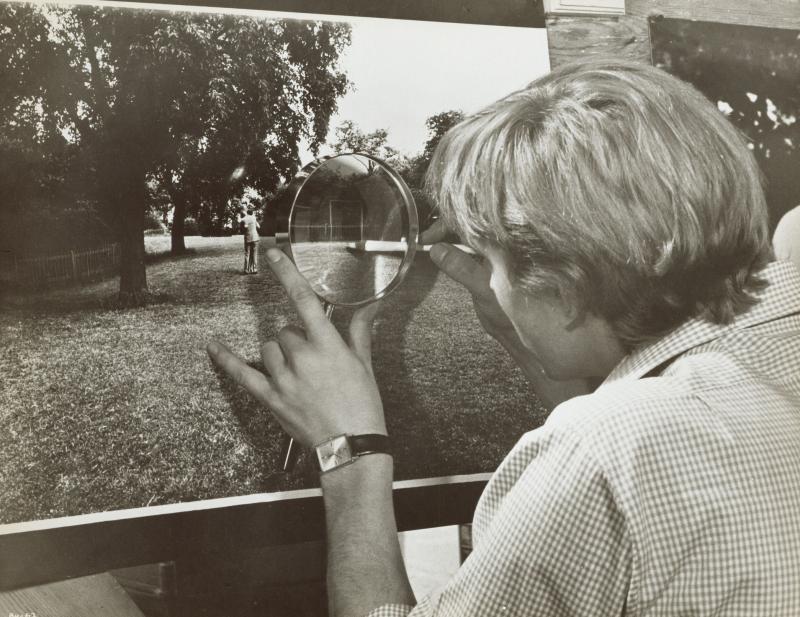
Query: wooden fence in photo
point(49, 269)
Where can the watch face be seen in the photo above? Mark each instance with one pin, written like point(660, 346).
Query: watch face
point(334, 452)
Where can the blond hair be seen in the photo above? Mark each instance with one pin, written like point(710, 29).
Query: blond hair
point(616, 186)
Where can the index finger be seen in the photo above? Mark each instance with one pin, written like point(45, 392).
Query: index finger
point(300, 293)
point(252, 380)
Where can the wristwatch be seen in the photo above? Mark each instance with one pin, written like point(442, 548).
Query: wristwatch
point(342, 450)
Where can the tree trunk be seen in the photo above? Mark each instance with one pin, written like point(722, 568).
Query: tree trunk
point(133, 276)
point(178, 217)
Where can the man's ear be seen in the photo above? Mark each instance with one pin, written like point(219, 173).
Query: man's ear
point(578, 318)
point(576, 315)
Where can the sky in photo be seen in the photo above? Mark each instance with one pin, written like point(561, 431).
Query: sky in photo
point(406, 71)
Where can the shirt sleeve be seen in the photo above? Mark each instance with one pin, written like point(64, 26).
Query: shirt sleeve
point(549, 540)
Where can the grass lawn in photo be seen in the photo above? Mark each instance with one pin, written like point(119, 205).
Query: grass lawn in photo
point(344, 273)
point(103, 409)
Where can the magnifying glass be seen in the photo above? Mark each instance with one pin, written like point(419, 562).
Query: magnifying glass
point(352, 233)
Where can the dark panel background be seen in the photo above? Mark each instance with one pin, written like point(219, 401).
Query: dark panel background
point(756, 71)
point(526, 13)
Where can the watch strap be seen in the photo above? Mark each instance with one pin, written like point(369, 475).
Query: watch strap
point(371, 443)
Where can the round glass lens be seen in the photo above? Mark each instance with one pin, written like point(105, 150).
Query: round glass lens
point(352, 228)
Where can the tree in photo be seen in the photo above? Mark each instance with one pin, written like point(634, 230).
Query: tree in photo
point(350, 138)
point(202, 104)
point(416, 168)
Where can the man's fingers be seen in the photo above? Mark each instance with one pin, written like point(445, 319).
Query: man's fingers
point(291, 338)
point(255, 382)
point(300, 293)
point(273, 358)
point(437, 232)
point(462, 268)
point(361, 331)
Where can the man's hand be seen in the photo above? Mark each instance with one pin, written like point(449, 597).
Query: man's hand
point(474, 276)
point(317, 385)
point(320, 386)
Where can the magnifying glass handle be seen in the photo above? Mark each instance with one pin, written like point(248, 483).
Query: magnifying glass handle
point(289, 452)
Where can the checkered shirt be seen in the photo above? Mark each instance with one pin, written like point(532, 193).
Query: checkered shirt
point(674, 489)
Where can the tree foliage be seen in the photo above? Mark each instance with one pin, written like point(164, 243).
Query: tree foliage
point(414, 172)
point(438, 125)
point(350, 138)
point(201, 104)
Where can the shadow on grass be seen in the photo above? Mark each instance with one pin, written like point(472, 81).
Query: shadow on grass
point(399, 390)
point(262, 293)
point(74, 299)
point(259, 431)
point(405, 414)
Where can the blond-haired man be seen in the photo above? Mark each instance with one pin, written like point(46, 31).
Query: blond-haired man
point(627, 269)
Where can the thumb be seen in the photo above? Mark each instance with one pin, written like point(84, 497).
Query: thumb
point(360, 332)
point(437, 232)
point(461, 267)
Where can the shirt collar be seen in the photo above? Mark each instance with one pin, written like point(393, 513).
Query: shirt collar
point(781, 297)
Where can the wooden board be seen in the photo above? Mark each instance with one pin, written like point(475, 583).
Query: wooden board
point(770, 13)
point(50, 551)
point(570, 38)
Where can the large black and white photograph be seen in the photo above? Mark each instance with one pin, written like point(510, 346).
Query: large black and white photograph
point(337, 308)
point(139, 146)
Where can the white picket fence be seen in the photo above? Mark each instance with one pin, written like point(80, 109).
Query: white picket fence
point(42, 270)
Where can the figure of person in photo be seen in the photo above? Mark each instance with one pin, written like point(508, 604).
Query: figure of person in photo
point(627, 269)
point(786, 239)
point(249, 224)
